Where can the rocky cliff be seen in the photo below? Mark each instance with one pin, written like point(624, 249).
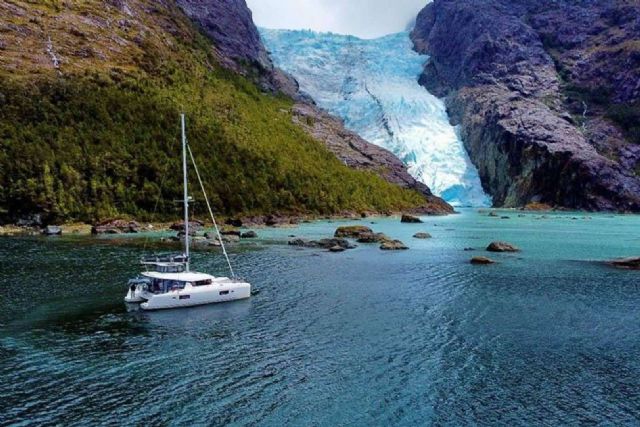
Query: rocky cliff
point(546, 93)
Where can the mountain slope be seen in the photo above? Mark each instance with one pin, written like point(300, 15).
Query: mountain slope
point(91, 92)
point(546, 93)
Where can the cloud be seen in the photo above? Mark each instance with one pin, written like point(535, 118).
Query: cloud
point(362, 18)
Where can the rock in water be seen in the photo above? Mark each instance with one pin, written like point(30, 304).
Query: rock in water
point(481, 260)
point(323, 243)
point(354, 231)
point(193, 225)
point(230, 232)
point(329, 243)
point(627, 263)
point(422, 236)
point(52, 230)
point(231, 238)
point(249, 235)
point(336, 249)
point(410, 219)
point(393, 245)
point(502, 247)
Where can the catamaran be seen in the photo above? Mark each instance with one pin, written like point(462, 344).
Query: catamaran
point(168, 281)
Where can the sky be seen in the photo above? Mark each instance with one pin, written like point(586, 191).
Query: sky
point(361, 18)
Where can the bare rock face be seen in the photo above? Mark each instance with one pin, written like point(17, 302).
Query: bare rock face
point(229, 24)
point(357, 153)
point(544, 92)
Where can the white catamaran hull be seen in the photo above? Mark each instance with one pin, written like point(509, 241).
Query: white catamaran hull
point(223, 291)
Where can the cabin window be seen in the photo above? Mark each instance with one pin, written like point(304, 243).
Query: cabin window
point(203, 282)
point(185, 296)
point(224, 292)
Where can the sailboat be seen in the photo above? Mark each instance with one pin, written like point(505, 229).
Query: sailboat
point(168, 281)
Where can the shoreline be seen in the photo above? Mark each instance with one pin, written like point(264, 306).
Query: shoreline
point(277, 221)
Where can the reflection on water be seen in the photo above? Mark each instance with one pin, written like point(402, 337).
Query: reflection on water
point(546, 336)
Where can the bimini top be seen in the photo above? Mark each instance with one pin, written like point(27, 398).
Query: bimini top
point(179, 277)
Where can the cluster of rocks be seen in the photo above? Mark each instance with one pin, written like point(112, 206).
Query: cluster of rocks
point(333, 245)
point(117, 226)
point(229, 235)
point(360, 234)
point(496, 247)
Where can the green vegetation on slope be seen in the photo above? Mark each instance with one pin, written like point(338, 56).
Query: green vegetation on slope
point(99, 143)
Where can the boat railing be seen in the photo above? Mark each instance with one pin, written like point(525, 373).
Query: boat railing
point(165, 259)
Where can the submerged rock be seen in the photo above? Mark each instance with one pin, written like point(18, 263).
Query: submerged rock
point(422, 236)
point(249, 235)
point(627, 263)
point(481, 260)
point(337, 249)
point(410, 219)
point(502, 247)
point(393, 245)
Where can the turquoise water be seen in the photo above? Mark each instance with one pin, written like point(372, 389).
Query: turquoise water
point(545, 337)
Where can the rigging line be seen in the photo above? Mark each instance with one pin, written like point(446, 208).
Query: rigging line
point(206, 199)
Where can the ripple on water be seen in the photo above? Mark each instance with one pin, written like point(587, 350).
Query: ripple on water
point(365, 338)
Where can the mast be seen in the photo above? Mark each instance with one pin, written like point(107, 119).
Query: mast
point(186, 192)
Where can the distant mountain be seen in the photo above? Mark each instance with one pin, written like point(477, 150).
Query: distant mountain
point(547, 93)
point(90, 96)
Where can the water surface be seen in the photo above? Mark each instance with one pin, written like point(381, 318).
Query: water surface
point(545, 337)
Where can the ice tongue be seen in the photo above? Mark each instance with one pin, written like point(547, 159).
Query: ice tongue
point(373, 86)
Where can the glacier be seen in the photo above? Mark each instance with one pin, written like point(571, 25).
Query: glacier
point(373, 86)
